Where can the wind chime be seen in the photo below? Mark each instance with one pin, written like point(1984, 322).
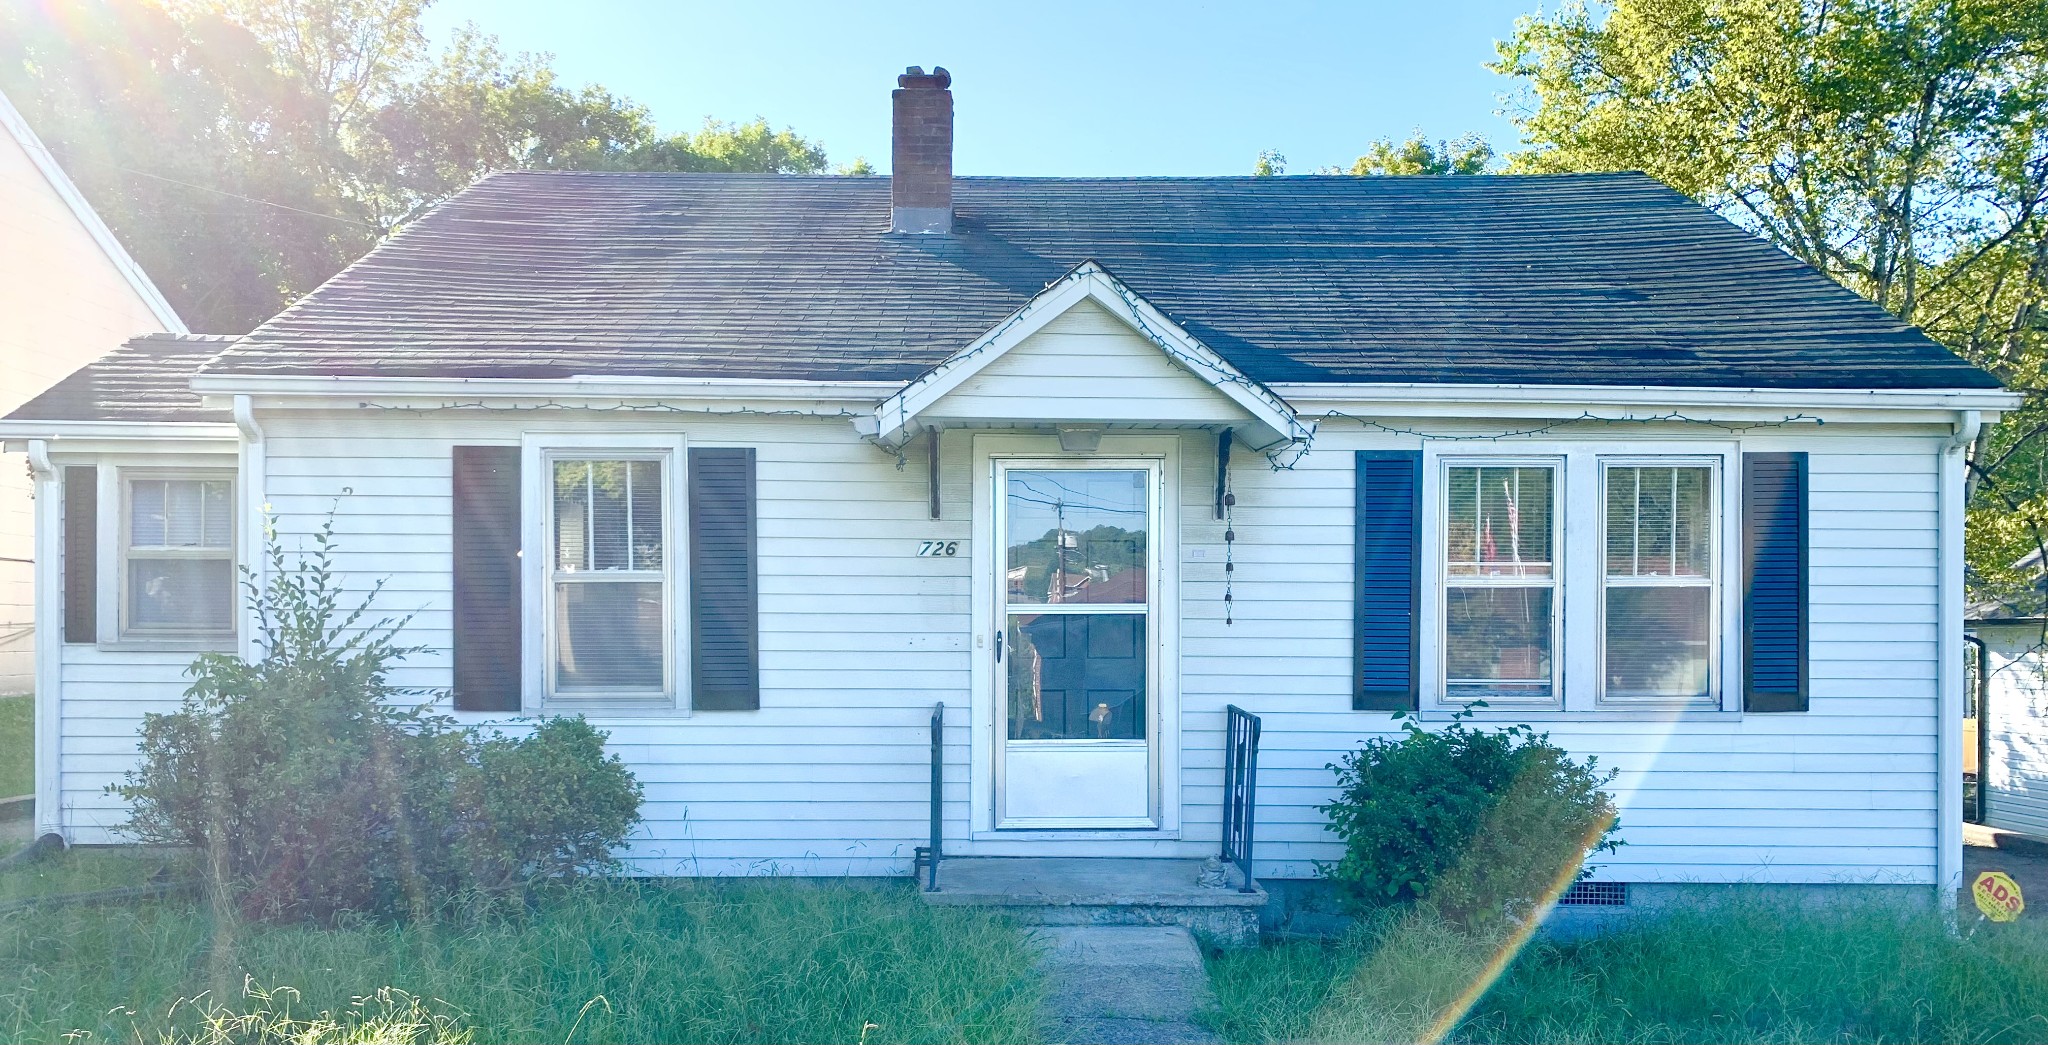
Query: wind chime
point(1225, 501)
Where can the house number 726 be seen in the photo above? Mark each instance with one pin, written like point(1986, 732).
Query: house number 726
point(942, 549)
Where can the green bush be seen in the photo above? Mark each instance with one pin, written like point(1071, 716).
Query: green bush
point(1480, 824)
point(312, 787)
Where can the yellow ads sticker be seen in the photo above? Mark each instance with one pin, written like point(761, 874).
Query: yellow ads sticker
point(1998, 896)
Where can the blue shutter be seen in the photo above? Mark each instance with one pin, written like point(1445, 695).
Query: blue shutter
point(725, 649)
point(1774, 616)
point(1387, 586)
point(487, 582)
point(81, 553)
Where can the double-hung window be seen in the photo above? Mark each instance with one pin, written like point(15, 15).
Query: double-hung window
point(1658, 606)
point(1572, 579)
point(1500, 581)
point(609, 594)
point(177, 552)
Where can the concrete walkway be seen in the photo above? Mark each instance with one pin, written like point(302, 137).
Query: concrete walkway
point(1116, 984)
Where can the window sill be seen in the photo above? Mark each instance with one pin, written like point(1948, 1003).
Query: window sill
point(1608, 714)
point(605, 709)
point(168, 644)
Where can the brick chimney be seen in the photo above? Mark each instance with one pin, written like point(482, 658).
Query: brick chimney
point(921, 154)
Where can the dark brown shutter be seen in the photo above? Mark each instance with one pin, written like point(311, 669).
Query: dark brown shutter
point(1387, 587)
point(488, 666)
point(1774, 613)
point(81, 553)
point(725, 652)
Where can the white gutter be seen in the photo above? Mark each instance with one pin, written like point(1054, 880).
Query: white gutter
point(58, 431)
point(252, 473)
point(1303, 395)
point(588, 387)
point(1948, 674)
point(49, 638)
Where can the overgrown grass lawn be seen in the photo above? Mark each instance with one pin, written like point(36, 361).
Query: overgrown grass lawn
point(91, 870)
point(1750, 972)
point(17, 747)
point(726, 961)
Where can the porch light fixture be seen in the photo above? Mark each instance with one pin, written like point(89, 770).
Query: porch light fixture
point(1080, 439)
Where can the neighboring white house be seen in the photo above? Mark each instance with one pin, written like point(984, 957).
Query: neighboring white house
point(754, 471)
point(70, 295)
point(2010, 639)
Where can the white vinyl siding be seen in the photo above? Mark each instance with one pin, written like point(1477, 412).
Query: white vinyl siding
point(1085, 365)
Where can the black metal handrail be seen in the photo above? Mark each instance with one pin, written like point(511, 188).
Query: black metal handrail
point(928, 857)
point(1240, 791)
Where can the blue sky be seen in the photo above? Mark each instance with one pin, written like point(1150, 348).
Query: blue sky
point(1044, 88)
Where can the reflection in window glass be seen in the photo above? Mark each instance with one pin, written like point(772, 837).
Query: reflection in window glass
point(608, 515)
point(1076, 536)
point(1498, 521)
point(610, 588)
point(1077, 676)
point(1658, 609)
point(1500, 576)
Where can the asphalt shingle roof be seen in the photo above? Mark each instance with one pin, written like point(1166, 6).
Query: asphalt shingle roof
point(146, 379)
point(1576, 279)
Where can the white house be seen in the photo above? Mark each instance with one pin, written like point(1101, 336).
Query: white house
point(70, 294)
point(755, 471)
point(2009, 638)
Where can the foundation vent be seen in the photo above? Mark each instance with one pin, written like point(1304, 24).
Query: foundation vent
point(1595, 894)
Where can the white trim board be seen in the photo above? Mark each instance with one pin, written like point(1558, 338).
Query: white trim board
point(894, 422)
point(39, 154)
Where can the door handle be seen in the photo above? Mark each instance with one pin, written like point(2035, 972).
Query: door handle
point(1002, 639)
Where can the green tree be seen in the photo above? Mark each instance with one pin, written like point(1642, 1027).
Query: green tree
point(1418, 155)
point(1899, 146)
point(246, 150)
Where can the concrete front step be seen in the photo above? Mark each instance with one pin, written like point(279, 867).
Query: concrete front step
point(1092, 891)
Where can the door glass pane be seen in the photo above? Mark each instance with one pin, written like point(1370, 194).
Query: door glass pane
point(1077, 676)
point(1657, 641)
point(608, 635)
point(1076, 535)
point(1497, 643)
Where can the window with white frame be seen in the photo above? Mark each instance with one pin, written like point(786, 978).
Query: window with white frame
point(1500, 581)
point(1659, 601)
point(609, 595)
point(177, 555)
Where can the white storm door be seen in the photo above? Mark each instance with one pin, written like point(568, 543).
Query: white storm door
point(1077, 678)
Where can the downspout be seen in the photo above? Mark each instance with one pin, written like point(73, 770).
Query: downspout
point(254, 532)
point(1948, 733)
point(1983, 727)
point(49, 640)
